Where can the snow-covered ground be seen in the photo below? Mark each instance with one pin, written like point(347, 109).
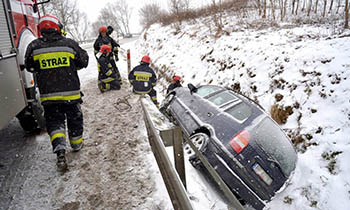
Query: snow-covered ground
point(308, 68)
point(303, 69)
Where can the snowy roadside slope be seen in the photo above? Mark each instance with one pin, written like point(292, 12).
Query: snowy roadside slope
point(308, 66)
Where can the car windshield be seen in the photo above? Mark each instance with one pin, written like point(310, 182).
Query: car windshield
point(222, 98)
point(240, 112)
point(207, 90)
point(275, 143)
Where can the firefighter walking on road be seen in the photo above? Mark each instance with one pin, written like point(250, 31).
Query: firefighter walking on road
point(143, 79)
point(107, 78)
point(55, 60)
point(104, 39)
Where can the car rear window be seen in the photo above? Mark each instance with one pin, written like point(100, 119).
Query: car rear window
point(207, 90)
point(241, 112)
point(275, 143)
point(222, 98)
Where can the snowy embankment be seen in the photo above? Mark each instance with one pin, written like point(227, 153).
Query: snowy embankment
point(299, 75)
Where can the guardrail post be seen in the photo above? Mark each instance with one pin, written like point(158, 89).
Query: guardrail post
point(179, 155)
point(128, 60)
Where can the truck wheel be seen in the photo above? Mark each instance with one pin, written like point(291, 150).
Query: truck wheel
point(27, 121)
point(38, 110)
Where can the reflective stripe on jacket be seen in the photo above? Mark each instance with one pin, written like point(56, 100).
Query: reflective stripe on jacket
point(55, 60)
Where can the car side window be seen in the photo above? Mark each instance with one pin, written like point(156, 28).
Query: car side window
point(207, 90)
point(222, 98)
point(241, 112)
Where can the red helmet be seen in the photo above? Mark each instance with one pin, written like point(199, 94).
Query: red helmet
point(105, 48)
point(49, 22)
point(176, 78)
point(146, 59)
point(102, 29)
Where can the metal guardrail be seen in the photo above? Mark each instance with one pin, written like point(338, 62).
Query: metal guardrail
point(174, 136)
point(173, 182)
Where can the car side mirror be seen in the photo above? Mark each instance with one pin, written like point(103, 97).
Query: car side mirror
point(192, 88)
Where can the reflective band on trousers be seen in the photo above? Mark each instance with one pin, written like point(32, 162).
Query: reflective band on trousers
point(76, 140)
point(61, 96)
point(109, 73)
point(109, 79)
point(57, 135)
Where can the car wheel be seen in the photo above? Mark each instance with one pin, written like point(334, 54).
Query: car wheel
point(200, 141)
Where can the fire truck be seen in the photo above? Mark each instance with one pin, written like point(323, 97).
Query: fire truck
point(19, 94)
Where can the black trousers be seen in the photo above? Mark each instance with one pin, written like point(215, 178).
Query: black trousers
point(153, 95)
point(115, 69)
point(56, 116)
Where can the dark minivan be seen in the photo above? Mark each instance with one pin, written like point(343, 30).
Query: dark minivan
point(242, 143)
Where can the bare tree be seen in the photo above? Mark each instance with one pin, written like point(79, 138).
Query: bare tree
point(331, 6)
point(123, 13)
point(116, 15)
point(149, 14)
point(217, 15)
point(176, 7)
point(74, 21)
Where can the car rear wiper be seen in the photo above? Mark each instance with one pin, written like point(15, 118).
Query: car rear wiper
point(276, 163)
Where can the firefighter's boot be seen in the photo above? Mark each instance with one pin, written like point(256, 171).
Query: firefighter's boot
point(61, 160)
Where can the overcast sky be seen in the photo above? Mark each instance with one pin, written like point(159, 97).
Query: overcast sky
point(92, 9)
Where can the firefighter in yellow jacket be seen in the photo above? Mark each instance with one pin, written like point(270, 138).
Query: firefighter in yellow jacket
point(55, 60)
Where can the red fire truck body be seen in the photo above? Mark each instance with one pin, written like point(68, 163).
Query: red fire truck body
point(19, 95)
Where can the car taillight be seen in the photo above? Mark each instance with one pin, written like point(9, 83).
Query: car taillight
point(240, 141)
point(262, 173)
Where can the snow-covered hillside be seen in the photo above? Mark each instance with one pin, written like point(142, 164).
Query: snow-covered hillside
point(300, 75)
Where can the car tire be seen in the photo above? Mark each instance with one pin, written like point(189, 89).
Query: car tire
point(200, 141)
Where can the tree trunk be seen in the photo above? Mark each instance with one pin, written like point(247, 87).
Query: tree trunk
point(346, 14)
point(330, 6)
point(309, 8)
point(285, 7)
point(316, 5)
point(338, 6)
point(324, 8)
point(297, 8)
point(258, 5)
point(264, 15)
point(273, 9)
point(293, 6)
point(281, 9)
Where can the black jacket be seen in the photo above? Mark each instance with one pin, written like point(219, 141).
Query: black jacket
point(172, 86)
point(56, 60)
point(108, 41)
point(105, 71)
point(142, 78)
